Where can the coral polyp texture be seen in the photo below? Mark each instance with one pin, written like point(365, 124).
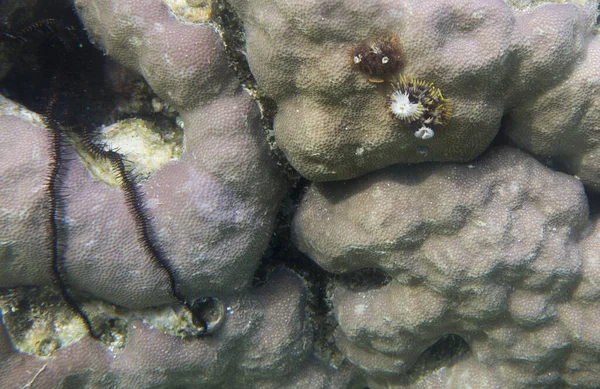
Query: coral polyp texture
point(149, 237)
point(485, 251)
point(212, 210)
point(251, 350)
point(23, 226)
point(492, 61)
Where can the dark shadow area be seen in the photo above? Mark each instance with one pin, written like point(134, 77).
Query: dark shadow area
point(52, 58)
point(443, 353)
point(364, 279)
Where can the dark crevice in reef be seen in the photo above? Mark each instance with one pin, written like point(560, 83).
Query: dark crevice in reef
point(502, 137)
point(364, 279)
point(450, 349)
point(281, 250)
point(447, 351)
point(53, 54)
point(594, 203)
point(283, 253)
point(232, 33)
point(53, 59)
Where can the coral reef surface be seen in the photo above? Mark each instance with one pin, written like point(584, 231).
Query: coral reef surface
point(536, 67)
point(440, 229)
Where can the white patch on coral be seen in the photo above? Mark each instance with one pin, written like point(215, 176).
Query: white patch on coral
point(145, 146)
point(424, 133)
point(403, 108)
point(359, 309)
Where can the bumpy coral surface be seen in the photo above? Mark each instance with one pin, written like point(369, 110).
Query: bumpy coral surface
point(23, 236)
point(212, 210)
point(475, 267)
point(485, 250)
point(490, 60)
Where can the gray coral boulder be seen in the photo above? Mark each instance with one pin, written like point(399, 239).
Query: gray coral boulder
point(491, 251)
point(489, 59)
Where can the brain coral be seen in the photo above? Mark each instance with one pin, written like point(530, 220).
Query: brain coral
point(491, 60)
point(486, 251)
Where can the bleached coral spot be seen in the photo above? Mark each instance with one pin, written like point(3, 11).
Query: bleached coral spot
point(359, 309)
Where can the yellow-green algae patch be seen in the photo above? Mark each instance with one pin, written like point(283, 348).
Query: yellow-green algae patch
point(38, 320)
point(190, 11)
point(145, 146)
point(178, 321)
